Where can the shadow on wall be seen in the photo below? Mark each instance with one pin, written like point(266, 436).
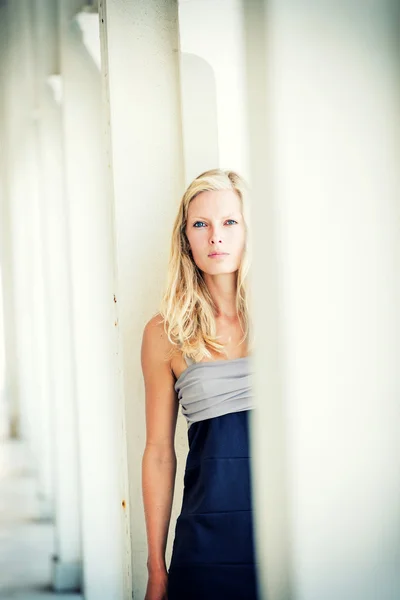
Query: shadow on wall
point(199, 116)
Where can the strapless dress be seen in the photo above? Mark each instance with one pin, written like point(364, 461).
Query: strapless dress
point(213, 551)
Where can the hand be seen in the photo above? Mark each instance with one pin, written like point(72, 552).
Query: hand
point(157, 586)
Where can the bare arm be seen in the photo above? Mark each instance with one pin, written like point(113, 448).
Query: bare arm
point(159, 459)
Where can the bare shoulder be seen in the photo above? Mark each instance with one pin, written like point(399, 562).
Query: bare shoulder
point(155, 327)
point(155, 342)
point(157, 350)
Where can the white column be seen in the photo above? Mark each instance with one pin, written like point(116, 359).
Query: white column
point(141, 42)
point(105, 537)
point(42, 407)
point(28, 251)
point(67, 557)
point(18, 184)
point(9, 367)
point(19, 238)
point(325, 156)
point(268, 439)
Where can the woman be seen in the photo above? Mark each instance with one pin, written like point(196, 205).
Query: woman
point(196, 353)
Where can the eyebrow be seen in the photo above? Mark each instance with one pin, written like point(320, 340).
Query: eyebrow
point(226, 217)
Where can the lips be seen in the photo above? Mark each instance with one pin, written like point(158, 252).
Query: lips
point(218, 254)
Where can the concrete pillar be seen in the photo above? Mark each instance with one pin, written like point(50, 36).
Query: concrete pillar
point(67, 559)
point(9, 401)
point(324, 123)
point(17, 184)
point(102, 454)
point(41, 308)
point(140, 41)
point(268, 438)
point(28, 252)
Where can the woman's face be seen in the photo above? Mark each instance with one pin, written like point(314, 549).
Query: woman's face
point(216, 231)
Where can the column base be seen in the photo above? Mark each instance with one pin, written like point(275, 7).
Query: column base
point(67, 576)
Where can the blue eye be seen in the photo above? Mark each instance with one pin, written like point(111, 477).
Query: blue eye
point(200, 224)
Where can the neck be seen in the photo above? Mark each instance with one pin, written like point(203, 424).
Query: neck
point(222, 289)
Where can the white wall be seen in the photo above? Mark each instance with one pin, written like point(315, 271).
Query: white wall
point(213, 86)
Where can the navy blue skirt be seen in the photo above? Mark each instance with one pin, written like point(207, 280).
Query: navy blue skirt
point(213, 551)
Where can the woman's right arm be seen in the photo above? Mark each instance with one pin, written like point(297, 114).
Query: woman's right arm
point(159, 459)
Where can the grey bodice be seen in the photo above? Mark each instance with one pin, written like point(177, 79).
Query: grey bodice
point(212, 389)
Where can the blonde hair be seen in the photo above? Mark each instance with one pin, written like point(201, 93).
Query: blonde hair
point(187, 307)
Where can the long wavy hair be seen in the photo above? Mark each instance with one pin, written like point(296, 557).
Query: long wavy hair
point(187, 307)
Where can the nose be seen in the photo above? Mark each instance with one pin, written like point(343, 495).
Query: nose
point(215, 237)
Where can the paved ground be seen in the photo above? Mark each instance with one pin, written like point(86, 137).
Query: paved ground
point(26, 544)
